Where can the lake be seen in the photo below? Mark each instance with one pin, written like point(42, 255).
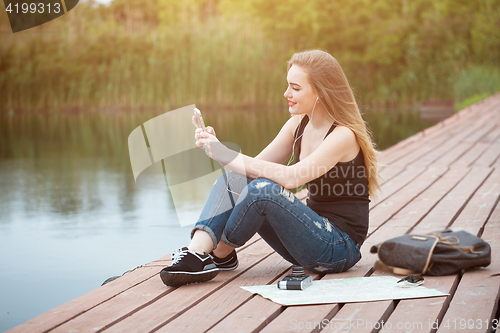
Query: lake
point(71, 213)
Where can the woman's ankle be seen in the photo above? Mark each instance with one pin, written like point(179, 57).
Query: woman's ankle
point(222, 250)
point(201, 242)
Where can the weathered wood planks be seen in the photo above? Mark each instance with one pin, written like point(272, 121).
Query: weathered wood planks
point(445, 176)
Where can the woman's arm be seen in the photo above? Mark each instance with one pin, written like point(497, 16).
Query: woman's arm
point(336, 146)
point(280, 149)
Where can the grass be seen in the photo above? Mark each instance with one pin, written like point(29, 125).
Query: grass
point(475, 84)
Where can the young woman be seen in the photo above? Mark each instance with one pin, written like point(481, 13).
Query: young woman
point(335, 158)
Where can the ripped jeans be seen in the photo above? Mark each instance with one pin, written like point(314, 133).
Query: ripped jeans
point(292, 229)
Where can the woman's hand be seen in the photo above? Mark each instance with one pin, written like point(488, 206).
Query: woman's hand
point(209, 142)
point(210, 129)
point(206, 141)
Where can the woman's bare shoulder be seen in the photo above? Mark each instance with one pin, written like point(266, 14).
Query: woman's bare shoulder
point(292, 123)
point(347, 139)
point(345, 131)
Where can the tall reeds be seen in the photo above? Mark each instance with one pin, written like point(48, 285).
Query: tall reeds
point(475, 84)
point(221, 63)
point(130, 56)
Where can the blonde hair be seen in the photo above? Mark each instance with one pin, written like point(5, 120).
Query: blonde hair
point(329, 81)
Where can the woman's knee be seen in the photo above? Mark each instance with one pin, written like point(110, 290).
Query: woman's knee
point(263, 187)
point(229, 178)
point(233, 176)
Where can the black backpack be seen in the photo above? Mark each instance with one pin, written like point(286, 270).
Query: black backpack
point(437, 253)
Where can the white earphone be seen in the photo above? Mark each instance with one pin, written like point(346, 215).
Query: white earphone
point(314, 107)
point(300, 121)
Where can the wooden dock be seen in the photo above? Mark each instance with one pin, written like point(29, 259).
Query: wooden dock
point(445, 176)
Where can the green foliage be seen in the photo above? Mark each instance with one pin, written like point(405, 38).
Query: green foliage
point(226, 53)
point(470, 100)
point(476, 83)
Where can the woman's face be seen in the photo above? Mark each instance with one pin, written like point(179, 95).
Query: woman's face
point(300, 95)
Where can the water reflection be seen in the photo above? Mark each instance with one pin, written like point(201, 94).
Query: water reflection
point(60, 160)
point(71, 213)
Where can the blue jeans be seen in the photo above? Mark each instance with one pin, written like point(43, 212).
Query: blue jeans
point(239, 207)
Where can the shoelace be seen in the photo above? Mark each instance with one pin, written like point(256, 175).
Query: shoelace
point(177, 255)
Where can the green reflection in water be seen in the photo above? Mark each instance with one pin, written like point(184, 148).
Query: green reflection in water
point(63, 153)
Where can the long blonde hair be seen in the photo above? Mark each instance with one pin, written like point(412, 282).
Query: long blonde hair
point(329, 81)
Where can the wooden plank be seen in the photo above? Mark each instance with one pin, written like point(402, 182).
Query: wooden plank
point(403, 144)
point(284, 319)
point(449, 135)
point(72, 309)
point(415, 141)
point(471, 155)
point(427, 153)
point(419, 145)
point(389, 172)
point(471, 219)
point(123, 304)
point(347, 313)
point(363, 319)
point(384, 211)
point(444, 150)
point(431, 307)
point(439, 129)
point(431, 149)
point(448, 130)
point(475, 302)
point(381, 213)
point(437, 153)
point(492, 136)
point(490, 155)
point(411, 201)
point(451, 155)
point(255, 315)
point(92, 300)
point(480, 205)
point(298, 318)
point(396, 183)
point(379, 311)
point(208, 312)
point(420, 204)
point(488, 127)
point(443, 128)
point(305, 317)
point(251, 316)
point(448, 140)
point(454, 202)
point(131, 312)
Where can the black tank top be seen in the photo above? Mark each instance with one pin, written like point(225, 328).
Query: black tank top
point(341, 194)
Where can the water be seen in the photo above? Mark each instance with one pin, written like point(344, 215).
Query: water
point(72, 216)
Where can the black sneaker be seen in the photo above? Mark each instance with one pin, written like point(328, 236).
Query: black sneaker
point(188, 267)
point(228, 263)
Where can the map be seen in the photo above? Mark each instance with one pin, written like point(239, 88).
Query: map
point(360, 289)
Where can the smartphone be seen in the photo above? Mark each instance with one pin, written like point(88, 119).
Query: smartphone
point(201, 124)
